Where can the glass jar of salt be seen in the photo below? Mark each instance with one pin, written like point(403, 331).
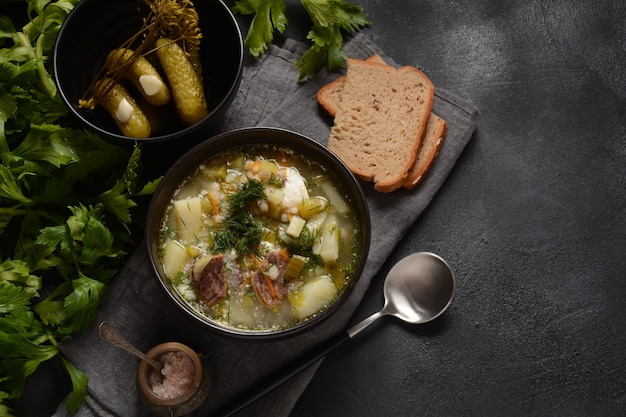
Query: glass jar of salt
point(182, 384)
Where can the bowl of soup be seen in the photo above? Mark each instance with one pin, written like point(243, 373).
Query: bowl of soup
point(258, 233)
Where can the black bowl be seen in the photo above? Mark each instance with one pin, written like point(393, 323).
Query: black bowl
point(243, 138)
point(95, 27)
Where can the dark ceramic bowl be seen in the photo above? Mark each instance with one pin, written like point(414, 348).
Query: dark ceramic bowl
point(95, 27)
point(242, 139)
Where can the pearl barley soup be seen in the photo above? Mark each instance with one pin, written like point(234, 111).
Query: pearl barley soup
point(260, 239)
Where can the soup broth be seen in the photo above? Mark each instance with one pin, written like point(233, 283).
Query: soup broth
point(260, 238)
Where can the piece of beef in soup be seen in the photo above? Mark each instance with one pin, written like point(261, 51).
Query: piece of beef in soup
point(269, 280)
point(209, 278)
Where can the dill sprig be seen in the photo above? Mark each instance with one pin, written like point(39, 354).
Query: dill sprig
point(249, 193)
point(241, 232)
point(303, 245)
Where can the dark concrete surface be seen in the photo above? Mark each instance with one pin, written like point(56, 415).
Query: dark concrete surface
point(532, 219)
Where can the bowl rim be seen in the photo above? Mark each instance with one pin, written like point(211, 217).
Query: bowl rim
point(118, 137)
point(241, 137)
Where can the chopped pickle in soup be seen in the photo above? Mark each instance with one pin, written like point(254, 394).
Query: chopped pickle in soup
point(260, 239)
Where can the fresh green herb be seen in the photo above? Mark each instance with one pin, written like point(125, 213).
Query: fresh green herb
point(331, 18)
point(241, 200)
point(275, 181)
point(242, 232)
point(66, 203)
point(303, 245)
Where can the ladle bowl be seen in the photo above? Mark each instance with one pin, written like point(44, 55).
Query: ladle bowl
point(418, 289)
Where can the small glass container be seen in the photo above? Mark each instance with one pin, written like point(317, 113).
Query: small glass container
point(190, 396)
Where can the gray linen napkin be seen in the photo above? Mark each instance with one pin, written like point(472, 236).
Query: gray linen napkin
point(138, 308)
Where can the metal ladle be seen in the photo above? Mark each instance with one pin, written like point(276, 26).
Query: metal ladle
point(417, 289)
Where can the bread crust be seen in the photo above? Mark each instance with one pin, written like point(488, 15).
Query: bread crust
point(379, 128)
point(329, 96)
point(433, 139)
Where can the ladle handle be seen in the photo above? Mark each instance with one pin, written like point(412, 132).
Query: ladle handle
point(108, 333)
point(359, 327)
point(281, 375)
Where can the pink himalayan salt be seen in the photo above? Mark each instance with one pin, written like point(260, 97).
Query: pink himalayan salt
point(178, 372)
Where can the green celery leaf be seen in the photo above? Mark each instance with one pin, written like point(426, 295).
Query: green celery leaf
point(311, 61)
point(81, 304)
point(29, 229)
point(88, 231)
point(336, 55)
point(46, 143)
point(132, 169)
point(17, 272)
point(50, 311)
point(79, 386)
point(7, 30)
point(9, 187)
point(18, 54)
point(97, 242)
point(21, 321)
point(8, 107)
point(94, 154)
point(20, 355)
point(149, 187)
point(79, 220)
point(37, 257)
point(333, 15)
point(53, 236)
point(327, 13)
point(329, 18)
point(50, 16)
point(34, 105)
point(13, 297)
point(55, 189)
point(327, 47)
point(7, 71)
point(269, 15)
point(118, 202)
point(82, 241)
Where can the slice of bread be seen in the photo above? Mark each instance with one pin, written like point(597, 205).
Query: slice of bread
point(381, 120)
point(433, 139)
point(329, 97)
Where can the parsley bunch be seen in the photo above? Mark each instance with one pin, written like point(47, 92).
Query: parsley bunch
point(330, 19)
point(66, 198)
